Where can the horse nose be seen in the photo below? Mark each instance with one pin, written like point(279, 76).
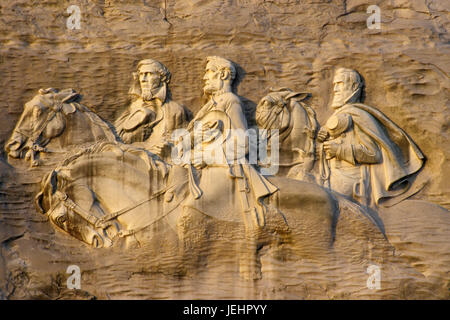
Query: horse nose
point(14, 144)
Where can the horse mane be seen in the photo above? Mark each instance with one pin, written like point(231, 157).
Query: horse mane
point(64, 96)
point(69, 100)
point(98, 147)
point(87, 150)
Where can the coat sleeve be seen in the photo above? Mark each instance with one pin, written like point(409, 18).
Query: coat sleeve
point(359, 149)
point(239, 122)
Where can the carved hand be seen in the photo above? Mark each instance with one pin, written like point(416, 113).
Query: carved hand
point(331, 149)
point(160, 149)
point(322, 134)
point(197, 160)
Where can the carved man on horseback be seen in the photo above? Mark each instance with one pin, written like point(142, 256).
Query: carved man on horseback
point(228, 172)
point(152, 115)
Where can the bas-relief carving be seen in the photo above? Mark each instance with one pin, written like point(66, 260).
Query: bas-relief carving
point(360, 152)
point(228, 174)
point(284, 113)
point(119, 187)
point(365, 155)
point(152, 115)
point(53, 122)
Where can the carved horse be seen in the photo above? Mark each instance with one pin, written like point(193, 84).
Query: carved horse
point(285, 111)
point(113, 191)
point(83, 196)
point(53, 122)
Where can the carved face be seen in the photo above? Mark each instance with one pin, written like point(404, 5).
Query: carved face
point(344, 90)
point(41, 120)
point(150, 81)
point(213, 79)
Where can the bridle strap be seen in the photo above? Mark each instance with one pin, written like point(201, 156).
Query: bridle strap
point(103, 221)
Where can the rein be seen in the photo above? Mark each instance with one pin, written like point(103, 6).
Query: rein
point(105, 221)
point(33, 138)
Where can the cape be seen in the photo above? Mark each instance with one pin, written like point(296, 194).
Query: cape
point(401, 157)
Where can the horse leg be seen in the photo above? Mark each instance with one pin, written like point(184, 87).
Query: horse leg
point(311, 214)
point(208, 241)
point(249, 264)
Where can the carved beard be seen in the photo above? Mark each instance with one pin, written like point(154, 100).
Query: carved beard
point(208, 90)
point(212, 86)
point(147, 92)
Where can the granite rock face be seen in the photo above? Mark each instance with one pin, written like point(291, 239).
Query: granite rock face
point(295, 44)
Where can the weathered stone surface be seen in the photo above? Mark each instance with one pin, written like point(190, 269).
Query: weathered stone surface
point(295, 44)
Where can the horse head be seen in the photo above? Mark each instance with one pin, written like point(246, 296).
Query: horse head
point(55, 114)
point(273, 111)
point(284, 111)
point(43, 119)
point(54, 202)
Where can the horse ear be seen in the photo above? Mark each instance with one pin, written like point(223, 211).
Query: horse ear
point(299, 96)
point(67, 95)
point(69, 108)
point(38, 202)
point(48, 90)
point(70, 98)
